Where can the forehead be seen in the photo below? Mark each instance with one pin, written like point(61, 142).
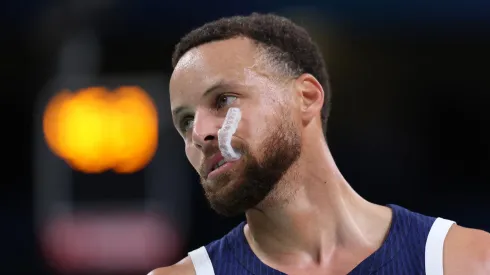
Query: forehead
point(232, 61)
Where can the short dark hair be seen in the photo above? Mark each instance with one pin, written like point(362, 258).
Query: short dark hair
point(283, 41)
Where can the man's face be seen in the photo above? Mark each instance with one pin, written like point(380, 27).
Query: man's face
point(206, 82)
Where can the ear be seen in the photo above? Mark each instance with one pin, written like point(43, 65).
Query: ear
point(311, 96)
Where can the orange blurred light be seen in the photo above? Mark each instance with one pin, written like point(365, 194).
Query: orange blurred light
point(94, 129)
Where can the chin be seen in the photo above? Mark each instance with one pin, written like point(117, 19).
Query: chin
point(222, 185)
point(229, 186)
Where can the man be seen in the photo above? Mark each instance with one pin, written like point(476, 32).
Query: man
point(302, 217)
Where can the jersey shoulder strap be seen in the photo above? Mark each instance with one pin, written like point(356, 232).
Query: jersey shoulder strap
point(434, 246)
point(201, 261)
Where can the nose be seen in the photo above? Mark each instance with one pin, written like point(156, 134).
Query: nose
point(205, 130)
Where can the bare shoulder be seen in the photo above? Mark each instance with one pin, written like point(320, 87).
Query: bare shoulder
point(466, 251)
point(183, 267)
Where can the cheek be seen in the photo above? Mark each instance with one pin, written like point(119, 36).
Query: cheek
point(253, 128)
point(193, 155)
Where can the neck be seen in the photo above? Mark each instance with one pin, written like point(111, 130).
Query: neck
point(322, 216)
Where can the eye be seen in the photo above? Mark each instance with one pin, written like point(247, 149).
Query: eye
point(186, 124)
point(224, 100)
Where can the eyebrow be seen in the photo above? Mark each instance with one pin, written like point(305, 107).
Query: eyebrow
point(218, 86)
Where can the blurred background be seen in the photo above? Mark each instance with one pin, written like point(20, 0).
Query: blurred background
point(409, 123)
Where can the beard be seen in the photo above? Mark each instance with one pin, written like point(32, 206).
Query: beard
point(252, 180)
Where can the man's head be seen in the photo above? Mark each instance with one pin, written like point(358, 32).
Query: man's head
point(269, 68)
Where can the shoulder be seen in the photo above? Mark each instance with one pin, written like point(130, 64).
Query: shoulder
point(466, 251)
point(184, 267)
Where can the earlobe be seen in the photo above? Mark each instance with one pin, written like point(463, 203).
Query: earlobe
point(312, 96)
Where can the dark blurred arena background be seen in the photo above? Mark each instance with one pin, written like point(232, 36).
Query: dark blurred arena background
point(409, 124)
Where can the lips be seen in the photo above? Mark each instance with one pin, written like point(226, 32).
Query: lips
point(210, 164)
point(214, 162)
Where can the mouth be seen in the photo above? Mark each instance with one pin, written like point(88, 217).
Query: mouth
point(218, 165)
point(220, 169)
